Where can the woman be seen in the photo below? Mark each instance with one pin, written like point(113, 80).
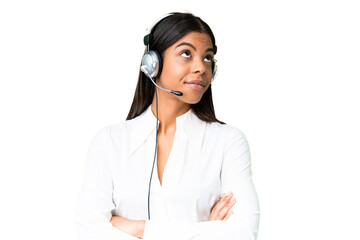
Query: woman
point(179, 192)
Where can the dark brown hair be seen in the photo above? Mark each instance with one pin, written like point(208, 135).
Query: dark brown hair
point(164, 34)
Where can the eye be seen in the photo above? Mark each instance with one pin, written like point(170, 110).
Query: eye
point(208, 58)
point(185, 54)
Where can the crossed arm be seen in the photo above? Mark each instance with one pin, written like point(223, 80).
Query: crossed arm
point(221, 211)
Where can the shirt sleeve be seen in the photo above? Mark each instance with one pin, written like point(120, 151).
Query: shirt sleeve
point(95, 205)
point(236, 177)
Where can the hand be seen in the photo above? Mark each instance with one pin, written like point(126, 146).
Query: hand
point(132, 227)
point(221, 210)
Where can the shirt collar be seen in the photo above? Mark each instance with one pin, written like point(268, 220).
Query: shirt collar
point(188, 125)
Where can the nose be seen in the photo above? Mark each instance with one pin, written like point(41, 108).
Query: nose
point(198, 66)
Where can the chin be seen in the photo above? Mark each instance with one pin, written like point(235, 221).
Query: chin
point(193, 100)
point(192, 97)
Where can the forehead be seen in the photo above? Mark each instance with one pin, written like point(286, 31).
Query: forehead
point(202, 40)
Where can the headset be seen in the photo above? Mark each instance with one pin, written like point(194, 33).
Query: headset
point(151, 63)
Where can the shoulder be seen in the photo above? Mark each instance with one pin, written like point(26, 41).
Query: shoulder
point(226, 137)
point(120, 130)
point(225, 131)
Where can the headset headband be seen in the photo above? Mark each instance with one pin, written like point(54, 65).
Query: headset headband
point(148, 38)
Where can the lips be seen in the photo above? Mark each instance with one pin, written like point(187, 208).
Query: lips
point(198, 84)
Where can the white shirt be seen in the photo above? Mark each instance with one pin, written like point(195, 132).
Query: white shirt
point(206, 160)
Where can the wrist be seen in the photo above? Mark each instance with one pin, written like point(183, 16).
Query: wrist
point(140, 228)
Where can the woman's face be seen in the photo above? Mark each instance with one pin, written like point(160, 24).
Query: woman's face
point(187, 66)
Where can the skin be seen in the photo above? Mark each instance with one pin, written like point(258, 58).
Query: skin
point(188, 59)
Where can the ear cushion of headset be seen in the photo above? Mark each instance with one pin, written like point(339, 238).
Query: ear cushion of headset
point(160, 63)
point(151, 62)
point(214, 72)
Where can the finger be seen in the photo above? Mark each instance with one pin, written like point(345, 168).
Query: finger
point(219, 200)
point(222, 213)
point(221, 209)
point(219, 215)
point(223, 201)
point(228, 215)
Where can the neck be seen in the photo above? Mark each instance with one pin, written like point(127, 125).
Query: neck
point(169, 108)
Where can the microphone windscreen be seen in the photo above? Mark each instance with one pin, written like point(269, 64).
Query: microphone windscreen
point(177, 93)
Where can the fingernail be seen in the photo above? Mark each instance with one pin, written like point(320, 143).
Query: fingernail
point(228, 195)
point(233, 200)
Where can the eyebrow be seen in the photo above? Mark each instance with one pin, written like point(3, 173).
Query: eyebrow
point(192, 46)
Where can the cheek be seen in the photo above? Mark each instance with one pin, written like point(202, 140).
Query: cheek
point(192, 96)
point(174, 69)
